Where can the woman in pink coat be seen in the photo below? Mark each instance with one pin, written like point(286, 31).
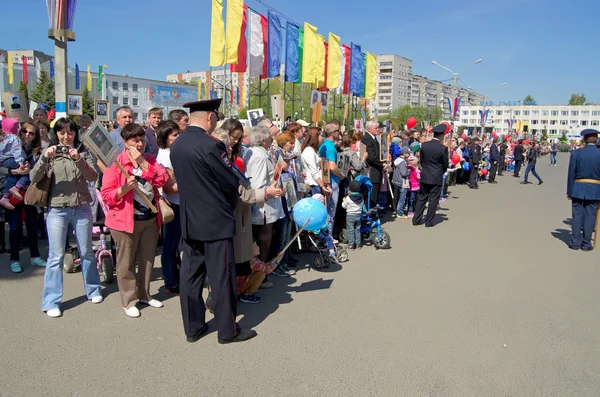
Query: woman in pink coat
point(134, 227)
point(413, 178)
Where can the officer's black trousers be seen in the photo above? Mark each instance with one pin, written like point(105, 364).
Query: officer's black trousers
point(427, 193)
point(493, 170)
point(518, 164)
point(473, 177)
point(215, 259)
point(501, 166)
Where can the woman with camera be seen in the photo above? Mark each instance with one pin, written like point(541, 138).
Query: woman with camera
point(134, 226)
point(69, 167)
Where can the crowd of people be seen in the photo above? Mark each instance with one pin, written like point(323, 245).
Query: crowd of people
point(232, 190)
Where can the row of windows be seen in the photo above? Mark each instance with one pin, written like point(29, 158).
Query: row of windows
point(134, 86)
point(537, 112)
point(125, 101)
point(583, 123)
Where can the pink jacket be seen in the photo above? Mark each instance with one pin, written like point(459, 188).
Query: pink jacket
point(120, 211)
point(413, 178)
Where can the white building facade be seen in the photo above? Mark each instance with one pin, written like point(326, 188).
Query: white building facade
point(555, 119)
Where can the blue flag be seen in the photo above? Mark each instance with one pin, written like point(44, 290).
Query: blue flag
point(292, 60)
point(274, 45)
point(51, 69)
point(77, 82)
point(357, 72)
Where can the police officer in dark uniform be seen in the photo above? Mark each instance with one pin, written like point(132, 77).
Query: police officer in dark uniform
point(583, 189)
point(208, 189)
point(501, 163)
point(474, 160)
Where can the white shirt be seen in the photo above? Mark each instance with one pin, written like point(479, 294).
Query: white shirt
point(311, 164)
point(164, 158)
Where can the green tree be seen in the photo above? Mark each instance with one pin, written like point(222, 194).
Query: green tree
point(88, 103)
point(44, 90)
point(23, 89)
point(577, 99)
point(528, 100)
point(544, 135)
point(563, 138)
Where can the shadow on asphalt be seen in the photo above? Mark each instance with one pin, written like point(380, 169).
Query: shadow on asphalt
point(563, 235)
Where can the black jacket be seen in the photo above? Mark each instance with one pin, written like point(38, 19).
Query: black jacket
point(494, 152)
point(434, 162)
point(208, 187)
point(503, 148)
point(532, 155)
point(373, 158)
point(474, 155)
point(519, 150)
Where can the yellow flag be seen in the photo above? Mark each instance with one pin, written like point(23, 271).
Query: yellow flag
point(320, 64)
point(217, 35)
point(235, 11)
point(10, 69)
point(89, 79)
point(309, 59)
point(334, 56)
point(371, 76)
point(200, 90)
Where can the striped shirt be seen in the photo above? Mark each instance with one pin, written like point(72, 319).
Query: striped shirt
point(140, 210)
point(12, 147)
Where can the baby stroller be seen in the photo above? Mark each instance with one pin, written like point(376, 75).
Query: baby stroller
point(370, 221)
point(323, 258)
point(101, 244)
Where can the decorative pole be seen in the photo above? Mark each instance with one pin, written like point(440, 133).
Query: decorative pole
point(61, 15)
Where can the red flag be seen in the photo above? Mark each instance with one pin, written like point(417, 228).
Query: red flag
point(25, 70)
point(242, 48)
point(324, 88)
point(264, 23)
point(347, 53)
point(231, 96)
point(51, 114)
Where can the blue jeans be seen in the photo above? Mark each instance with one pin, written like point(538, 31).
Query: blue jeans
point(332, 202)
point(326, 238)
point(531, 168)
point(353, 229)
point(284, 226)
point(552, 158)
point(14, 180)
point(401, 201)
point(169, 258)
point(443, 185)
point(56, 223)
point(15, 222)
point(411, 201)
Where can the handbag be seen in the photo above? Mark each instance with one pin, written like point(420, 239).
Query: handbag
point(166, 211)
point(37, 193)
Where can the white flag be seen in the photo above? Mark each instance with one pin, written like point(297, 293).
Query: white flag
point(32, 107)
point(340, 89)
point(38, 67)
point(257, 48)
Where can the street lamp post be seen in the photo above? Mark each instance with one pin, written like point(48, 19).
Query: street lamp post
point(61, 14)
point(455, 81)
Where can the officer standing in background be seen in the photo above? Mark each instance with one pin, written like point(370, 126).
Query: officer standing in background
point(519, 158)
point(583, 189)
point(474, 160)
point(502, 154)
point(208, 189)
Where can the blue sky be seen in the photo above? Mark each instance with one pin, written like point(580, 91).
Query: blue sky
point(548, 49)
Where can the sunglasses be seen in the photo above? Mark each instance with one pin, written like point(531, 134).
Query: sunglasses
point(24, 131)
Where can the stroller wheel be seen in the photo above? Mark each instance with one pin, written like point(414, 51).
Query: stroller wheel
point(69, 262)
point(343, 237)
point(383, 242)
point(107, 269)
point(342, 256)
point(318, 262)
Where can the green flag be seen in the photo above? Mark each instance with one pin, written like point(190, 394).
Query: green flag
point(99, 78)
point(300, 54)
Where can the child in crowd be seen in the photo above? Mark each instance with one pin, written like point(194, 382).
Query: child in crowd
point(353, 204)
point(414, 178)
point(12, 157)
point(323, 233)
point(247, 286)
point(395, 148)
point(400, 180)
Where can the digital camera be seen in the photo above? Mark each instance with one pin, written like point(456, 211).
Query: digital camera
point(62, 149)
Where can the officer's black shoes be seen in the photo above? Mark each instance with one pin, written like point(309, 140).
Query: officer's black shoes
point(243, 335)
point(540, 182)
point(199, 335)
point(525, 183)
point(588, 249)
point(493, 182)
point(573, 247)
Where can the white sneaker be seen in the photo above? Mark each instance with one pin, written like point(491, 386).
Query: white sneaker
point(132, 311)
point(97, 299)
point(54, 313)
point(152, 302)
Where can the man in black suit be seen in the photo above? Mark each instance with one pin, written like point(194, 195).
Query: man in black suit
point(434, 163)
point(502, 154)
point(519, 150)
point(376, 166)
point(208, 190)
point(494, 159)
point(474, 161)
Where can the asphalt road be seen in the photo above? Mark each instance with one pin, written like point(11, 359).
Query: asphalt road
point(490, 302)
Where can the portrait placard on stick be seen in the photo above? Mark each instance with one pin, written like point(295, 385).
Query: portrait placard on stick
point(74, 105)
point(385, 147)
point(325, 172)
point(15, 106)
point(101, 110)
